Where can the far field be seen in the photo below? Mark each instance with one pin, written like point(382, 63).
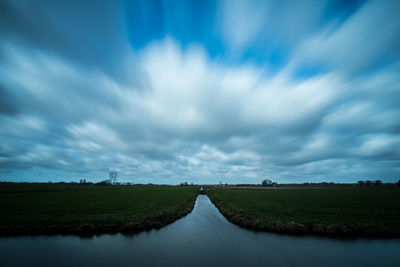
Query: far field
point(349, 211)
point(89, 209)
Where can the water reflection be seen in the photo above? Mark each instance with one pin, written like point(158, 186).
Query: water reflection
point(202, 238)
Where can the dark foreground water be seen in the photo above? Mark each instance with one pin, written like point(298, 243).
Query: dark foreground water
point(202, 238)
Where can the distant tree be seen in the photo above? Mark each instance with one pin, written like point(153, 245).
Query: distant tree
point(368, 182)
point(266, 182)
point(184, 184)
point(360, 182)
point(113, 177)
point(378, 182)
point(398, 182)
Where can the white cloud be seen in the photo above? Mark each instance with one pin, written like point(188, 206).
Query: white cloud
point(366, 38)
point(379, 145)
point(242, 21)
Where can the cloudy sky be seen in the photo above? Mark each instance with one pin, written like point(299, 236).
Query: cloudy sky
point(200, 91)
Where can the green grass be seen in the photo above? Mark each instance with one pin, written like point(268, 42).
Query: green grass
point(361, 211)
point(48, 209)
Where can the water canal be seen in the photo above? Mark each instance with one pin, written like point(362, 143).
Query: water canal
point(202, 238)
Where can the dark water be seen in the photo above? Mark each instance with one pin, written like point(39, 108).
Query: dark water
point(203, 238)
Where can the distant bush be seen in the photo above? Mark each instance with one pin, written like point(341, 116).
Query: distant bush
point(369, 182)
point(105, 182)
point(266, 182)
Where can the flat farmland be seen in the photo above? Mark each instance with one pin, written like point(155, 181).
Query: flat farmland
point(348, 211)
point(89, 209)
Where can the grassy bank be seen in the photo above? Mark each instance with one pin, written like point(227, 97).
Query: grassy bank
point(350, 211)
point(83, 209)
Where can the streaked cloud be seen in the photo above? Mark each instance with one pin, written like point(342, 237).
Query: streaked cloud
point(304, 92)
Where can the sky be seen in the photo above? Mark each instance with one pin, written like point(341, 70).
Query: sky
point(200, 91)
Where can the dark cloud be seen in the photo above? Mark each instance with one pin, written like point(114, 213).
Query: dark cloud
point(88, 33)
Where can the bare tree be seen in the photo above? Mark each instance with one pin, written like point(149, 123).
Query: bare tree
point(113, 177)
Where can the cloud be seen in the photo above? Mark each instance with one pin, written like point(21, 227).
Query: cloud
point(244, 23)
point(173, 111)
point(366, 40)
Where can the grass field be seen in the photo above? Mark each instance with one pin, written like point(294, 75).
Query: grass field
point(88, 209)
point(350, 211)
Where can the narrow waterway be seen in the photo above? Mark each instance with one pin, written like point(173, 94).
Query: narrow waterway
point(202, 238)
